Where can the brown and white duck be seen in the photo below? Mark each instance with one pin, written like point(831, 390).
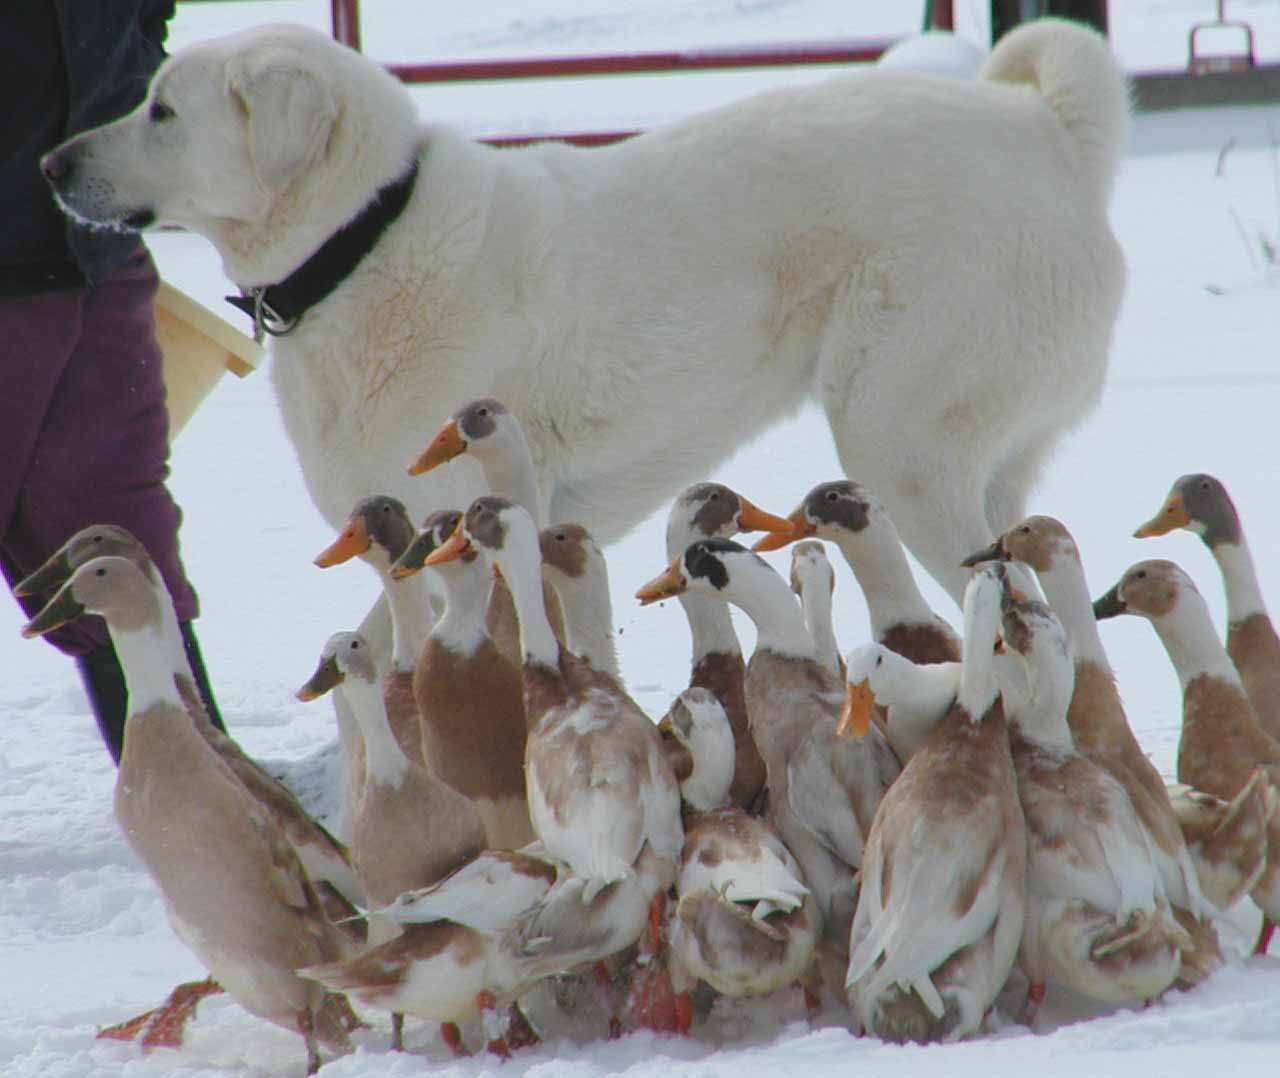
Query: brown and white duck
point(1100, 730)
point(814, 581)
point(450, 961)
point(714, 511)
point(848, 515)
point(1221, 742)
point(602, 797)
point(575, 567)
point(408, 829)
point(468, 691)
point(377, 532)
point(744, 922)
point(1098, 920)
point(1201, 504)
point(942, 902)
point(235, 891)
point(823, 790)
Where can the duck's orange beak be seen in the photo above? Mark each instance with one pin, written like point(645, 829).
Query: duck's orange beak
point(666, 585)
point(446, 445)
point(1173, 514)
point(354, 540)
point(859, 707)
point(797, 527)
point(751, 518)
point(456, 546)
point(327, 675)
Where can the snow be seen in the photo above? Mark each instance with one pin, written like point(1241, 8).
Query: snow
point(1193, 387)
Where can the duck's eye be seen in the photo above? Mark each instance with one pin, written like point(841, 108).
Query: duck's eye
point(1141, 574)
point(355, 645)
point(482, 412)
point(832, 496)
point(1204, 484)
point(97, 538)
point(1026, 529)
point(100, 572)
point(879, 660)
point(160, 112)
point(713, 496)
point(560, 537)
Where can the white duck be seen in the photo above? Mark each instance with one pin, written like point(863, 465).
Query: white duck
point(1098, 920)
point(823, 791)
point(814, 581)
point(468, 692)
point(942, 903)
point(1221, 742)
point(1101, 731)
point(602, 798)
point(1201, 504)
point(914, 696)
point(848, 515)
point(235, 891)
point(744, 923)
point(714, 511)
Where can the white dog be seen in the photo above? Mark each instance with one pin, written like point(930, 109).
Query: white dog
point(932, 258)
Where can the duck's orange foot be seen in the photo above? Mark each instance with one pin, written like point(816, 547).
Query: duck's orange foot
point(520, 1031)
point(652, 1002)
point(338, 1007)
point(1264, 936)
point(162, 1026)
point(452, 1036)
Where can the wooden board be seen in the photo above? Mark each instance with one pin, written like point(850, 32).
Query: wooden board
point(198, 346)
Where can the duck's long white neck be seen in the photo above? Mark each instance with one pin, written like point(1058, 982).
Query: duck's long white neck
point(385, 761)
point(815, 606)
point(1189, 636)
point(508, 472)
point(467, 587)
point(588, 622)
point(880, 565)
point(1067, 592)
point(978, 689)
point(1239, 580)
point(149, 661)
point(521, 563)
point(1042, 714)
point(411, 616)
point(768, 601)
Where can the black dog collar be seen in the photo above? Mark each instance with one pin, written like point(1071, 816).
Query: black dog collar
point(278, 308)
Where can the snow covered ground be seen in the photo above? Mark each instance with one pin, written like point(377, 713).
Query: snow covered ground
point(1194, 385)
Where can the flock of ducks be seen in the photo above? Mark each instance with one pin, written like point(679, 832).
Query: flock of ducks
point(907, 827)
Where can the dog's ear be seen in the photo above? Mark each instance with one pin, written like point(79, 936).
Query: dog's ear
point(290, 112)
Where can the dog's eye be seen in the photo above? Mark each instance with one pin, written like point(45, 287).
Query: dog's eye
point(160, 112)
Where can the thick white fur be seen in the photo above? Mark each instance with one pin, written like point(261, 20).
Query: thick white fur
point(931, 258)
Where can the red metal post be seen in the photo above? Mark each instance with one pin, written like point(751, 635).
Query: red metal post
point(346, 21)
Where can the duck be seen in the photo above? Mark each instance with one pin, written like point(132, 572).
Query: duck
point(450, 961)
point(814, 581)
point(377, 532)
point(1098, 920)
point(602, 797)
point(913, 697)
point(850, 516)
point(575, 567)
point(823, 791)
point(1192, 875)
point(235, 891)
point(489, 433)
point(468, 692)
point(714, 511)
point(1221, 742)
point(409, 829)
point(943, 898)
point(1200, 503)
point(744, 922)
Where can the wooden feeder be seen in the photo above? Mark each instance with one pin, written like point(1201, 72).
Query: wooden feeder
point(199, 347)
point(1200, 62)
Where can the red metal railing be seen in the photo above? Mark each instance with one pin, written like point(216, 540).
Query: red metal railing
point(346, 28)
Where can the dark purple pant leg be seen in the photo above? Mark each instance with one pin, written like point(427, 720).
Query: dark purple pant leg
point(84, 432)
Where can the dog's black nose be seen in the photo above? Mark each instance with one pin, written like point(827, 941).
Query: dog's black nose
point(56, 166)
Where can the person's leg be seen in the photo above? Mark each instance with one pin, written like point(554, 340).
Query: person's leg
point(98, 452)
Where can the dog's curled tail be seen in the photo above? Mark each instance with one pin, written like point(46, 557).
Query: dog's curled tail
point(1074, 71)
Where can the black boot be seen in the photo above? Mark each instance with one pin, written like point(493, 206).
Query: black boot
point(203, 687)
point(104, 686)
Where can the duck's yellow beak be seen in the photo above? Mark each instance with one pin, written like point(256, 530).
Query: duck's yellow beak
point(354, 540)
point(1173, 514)
point(446, 445)
point(456, 546)
point(797, 527)
point(666, 585)
point(751, 518)
point(859, 707)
